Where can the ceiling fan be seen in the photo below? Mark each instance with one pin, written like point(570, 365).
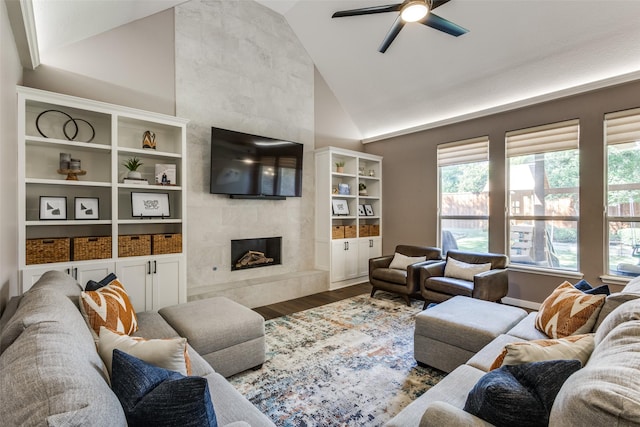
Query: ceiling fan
point(410, 11)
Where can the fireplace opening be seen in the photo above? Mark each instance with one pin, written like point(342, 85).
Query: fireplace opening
point(254, 253)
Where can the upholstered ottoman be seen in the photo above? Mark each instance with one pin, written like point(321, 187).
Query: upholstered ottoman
point(449, 334)
point(226, 334)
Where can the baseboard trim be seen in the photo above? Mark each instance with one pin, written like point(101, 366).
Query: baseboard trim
point(521, 303)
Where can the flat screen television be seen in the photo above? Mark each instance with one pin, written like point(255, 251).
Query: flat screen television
point(252, 166)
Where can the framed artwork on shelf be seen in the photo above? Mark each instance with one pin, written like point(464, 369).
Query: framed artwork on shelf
point(361, 210)
point(368, 209)
point(150, 205)
point(53, 207)
point(86, 208)
point(340, 207)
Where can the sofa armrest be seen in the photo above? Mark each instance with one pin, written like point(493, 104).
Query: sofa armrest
point(491, 285)
point(380, 262)
point(444, 414)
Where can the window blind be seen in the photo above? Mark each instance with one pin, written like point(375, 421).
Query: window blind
point(622, 127)
point(543, 139)
point(466, 151)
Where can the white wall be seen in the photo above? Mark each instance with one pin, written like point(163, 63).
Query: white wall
point(10, 76)
point(239, 66)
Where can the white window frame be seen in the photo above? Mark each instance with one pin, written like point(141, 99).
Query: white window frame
point(621, 127)
point(465, 151)
point(560, 136)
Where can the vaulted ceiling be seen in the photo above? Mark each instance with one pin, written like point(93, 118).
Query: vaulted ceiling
point(516, 52)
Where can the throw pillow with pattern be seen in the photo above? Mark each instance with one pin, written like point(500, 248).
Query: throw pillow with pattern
point(110, 307)
point(568, 311)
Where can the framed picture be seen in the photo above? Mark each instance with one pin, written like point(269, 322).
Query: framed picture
point(86, 207)
point(368, 210)
point(150, 205)
point(361, 210)
point(340, 207)
point(53, 207)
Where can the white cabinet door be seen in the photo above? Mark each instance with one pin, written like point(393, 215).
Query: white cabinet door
point(166, 281)
point(344, 259)
point(81, 272)
point(368, 247)
point(136, 277)
point(152, 283)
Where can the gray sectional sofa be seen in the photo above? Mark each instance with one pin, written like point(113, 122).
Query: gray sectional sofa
point(606, 391)
point(51, 373)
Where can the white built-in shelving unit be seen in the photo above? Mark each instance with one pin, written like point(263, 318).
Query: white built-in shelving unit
point(102, 136)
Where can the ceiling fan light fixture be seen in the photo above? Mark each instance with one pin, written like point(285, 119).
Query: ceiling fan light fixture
point(414, 11)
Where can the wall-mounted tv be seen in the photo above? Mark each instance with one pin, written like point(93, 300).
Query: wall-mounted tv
point(252, 166)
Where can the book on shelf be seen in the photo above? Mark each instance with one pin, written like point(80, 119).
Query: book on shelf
point(136, 181)
point(165, 174)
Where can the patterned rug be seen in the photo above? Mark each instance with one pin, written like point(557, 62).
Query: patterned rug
point(349, 363)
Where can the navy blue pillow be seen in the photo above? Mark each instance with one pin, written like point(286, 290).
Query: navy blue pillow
point(586, 287)
point(153, 396)
point(519, 395)
point(92, 285)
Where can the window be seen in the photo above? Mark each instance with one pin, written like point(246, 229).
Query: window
point(543, 195)
point(463, 178)
point(622, 132)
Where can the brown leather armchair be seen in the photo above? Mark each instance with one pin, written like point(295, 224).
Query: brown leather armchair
point(402, 282)
point(490, 285)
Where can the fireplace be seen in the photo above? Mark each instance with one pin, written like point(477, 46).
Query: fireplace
point(254, 253)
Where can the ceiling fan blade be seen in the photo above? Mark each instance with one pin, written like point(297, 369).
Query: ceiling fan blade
point(391, 35)
point(368, 10)
point(434, 21)
point(437, 3)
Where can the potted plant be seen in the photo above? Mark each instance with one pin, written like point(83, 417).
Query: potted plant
point(132, 165)
point(340, 166)
point(362, 189)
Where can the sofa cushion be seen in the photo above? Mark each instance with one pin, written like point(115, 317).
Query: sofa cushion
point(110, 307)
point(450, 286)
point(568, 311)
point(607, 390)
point(462, 270)
point(153, 396)
point(401, 262)
point(519, 395)
point(167, 353)
point(629, 293)
point(577, 347)
point(51, 373)
point(526, 329)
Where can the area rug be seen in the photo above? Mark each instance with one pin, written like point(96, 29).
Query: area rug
point(349, 363)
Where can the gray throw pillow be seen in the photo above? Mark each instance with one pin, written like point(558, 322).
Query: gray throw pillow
point(519, 395)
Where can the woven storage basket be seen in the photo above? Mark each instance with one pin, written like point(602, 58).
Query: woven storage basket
point(167, 244)
point(349, 231)
point(363, 230)
point(91, 248)
point(134, 245)
point(42, 251)
point(374, 230)
point(337, 232)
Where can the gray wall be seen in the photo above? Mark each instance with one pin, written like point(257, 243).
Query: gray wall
point(239, 66)
point(410, 185)
point(10, 76)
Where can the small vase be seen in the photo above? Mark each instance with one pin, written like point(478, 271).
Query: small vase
point(340, 169)
point(134, 175)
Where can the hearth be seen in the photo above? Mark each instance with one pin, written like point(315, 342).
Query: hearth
point(254, 253)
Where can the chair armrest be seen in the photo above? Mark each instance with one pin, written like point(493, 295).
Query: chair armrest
point(444, 414)
point(491, 285)
point(380, 262)
point(435, 269)
point(413, 274)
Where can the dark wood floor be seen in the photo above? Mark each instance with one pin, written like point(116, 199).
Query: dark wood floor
point(311, 301)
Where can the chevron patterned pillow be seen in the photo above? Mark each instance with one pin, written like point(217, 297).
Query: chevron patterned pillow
point(568, 311)
point(110, 307)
